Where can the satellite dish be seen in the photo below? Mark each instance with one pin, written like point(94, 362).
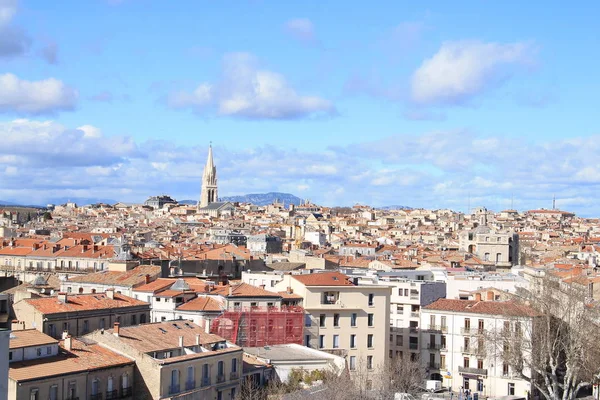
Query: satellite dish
point(51, 292)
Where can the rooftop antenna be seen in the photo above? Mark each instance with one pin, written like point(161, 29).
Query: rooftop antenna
point(553, 202)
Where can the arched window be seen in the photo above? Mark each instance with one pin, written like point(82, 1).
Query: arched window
point(109, 385)
point(80, 290)
point(95, 385)
point(125, 381)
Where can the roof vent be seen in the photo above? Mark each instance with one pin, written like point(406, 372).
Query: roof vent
point(162, 330)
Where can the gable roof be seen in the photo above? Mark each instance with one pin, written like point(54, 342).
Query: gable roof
point(202, 303)
point(28, 338)
point(83, 302)
point(501, 308)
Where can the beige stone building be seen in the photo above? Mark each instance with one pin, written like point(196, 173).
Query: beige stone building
point(343, 318)
point(177, 360)
point(81, 313)
point(42, 368)
point(495, 248)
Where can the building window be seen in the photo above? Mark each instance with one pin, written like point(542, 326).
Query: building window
point(307, 340)
point(466, 362)
point(321, 341)
point(406, 292)
point(371, 318)
point(399, 340)
point(39, 352)
point(336, 341)
point(352, 363)
point(369, 362)
point(480, 364)
point(505, 369)
point(369, 340)
point(336, 320)
point(10, 355)
point(353, 319)
point(352, 341)
point(34, 394)
point(399, 308)
point(234, 365)
point(371, 299)
point(95, 387)
point(85, 326)
point(53, 392)
point(467, 325)
point(48, 350)
point(443, 323)
point(322, 320)
point(254, 304)
point(174, 381)
point(133, 319)
point(486, 257)
point(442, 361)
point(511, 389)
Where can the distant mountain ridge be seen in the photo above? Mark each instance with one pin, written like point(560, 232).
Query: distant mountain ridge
point(394, 208)
point(263, 199)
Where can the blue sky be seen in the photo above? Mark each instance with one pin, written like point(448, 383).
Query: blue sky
point(426, 105)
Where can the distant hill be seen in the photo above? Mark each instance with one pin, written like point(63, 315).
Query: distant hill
point(395, 208)
point(188, 202)
point(80, 201)
point(263, 199)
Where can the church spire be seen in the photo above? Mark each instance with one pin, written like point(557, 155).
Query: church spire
point(209, 192)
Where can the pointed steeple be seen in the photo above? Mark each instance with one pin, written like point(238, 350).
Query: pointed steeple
point(209, 181)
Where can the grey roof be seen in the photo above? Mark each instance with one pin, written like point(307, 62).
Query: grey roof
point(288, 352)
point(180, 284)
point(216, 205)
point(286, 266)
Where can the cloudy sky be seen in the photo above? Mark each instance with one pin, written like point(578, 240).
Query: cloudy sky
point(443, 105)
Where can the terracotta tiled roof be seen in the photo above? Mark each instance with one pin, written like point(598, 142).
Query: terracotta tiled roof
point(156, 286)
point(201, 303)
point(81, 358)
point(82, 302)
point(129, 278)
point(324, 279)
point(290, 296)
point(28, 338)
point(243, 290)
point(502, 308)
point(163, 336)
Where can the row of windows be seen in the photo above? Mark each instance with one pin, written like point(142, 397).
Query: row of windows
point(336, 341)
point(336, 320)
point(112, 391)
point(190, 381)
point(66, 326)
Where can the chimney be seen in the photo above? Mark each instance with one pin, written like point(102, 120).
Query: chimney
point(198, 335)
point(65, 335)
point(490, 296)
point(116, 329)
point(62, 296)
point(68, 344)
point(110, 293)
point(262, 287)
point(230, 290)
point(180, 341)
point(289, 290)
point(147, 279)
point(477, 296)
point(207, 326)
point(84, 248)
point(95, 248)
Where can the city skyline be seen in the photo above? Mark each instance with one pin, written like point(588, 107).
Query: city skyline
point(435, 107)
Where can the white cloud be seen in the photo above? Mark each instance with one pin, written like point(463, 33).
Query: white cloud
point(246, 91)
point(8, 9)
point(301, 29)
point(35, 97)
point(90, 131)
point(463, 69)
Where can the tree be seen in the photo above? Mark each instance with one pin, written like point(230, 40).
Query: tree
point(557, 348)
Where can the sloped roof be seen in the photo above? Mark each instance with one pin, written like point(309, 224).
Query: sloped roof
point(501, 308)
point(83, 302)
point(324, 279)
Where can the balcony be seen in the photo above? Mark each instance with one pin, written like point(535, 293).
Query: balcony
point(233, 376)
point(413, 346)
point(112, 394)
point(97, 396)
point(414, 297)
point(472, 371)
point(434, 346)
point(221, 378)
point(329, 300)
point(189, 385)
point(438, 328)
point(433, 365)
point(413, 329)
point(126, 392)
point(471, 331)
point(414, 315)
point(205, 381)
point(473, 350)
point(173, 389)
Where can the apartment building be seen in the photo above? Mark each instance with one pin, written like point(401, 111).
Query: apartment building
point(41, 367)
point(497, 248)
point(177, 360)
point(342, 317)
point(81, 313)
point(455, 348)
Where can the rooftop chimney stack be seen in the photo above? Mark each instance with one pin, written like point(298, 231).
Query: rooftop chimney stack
point(62, 296)
point(147, 279)
point(198, 336)
point(68, 343)
point(477, 296)
point(116, 329)
point(230, 290)
point(110, 293)
point(180, 341)
point(65, 335)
